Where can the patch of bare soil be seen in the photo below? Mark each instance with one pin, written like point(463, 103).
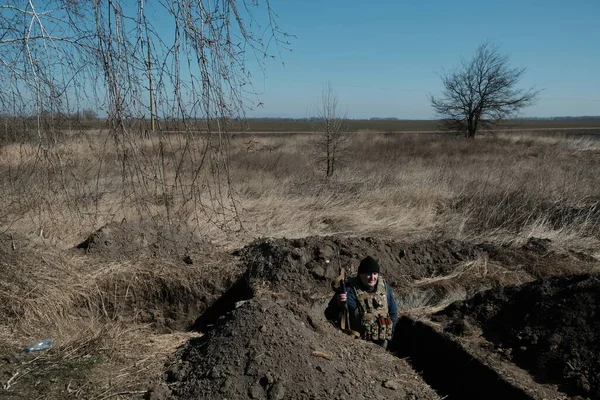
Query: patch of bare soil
point(551, 327)
point(425, 273)
point(126, 241)
point(266, 348)
point(278, 344)
point(306, 266)
point(273, 349)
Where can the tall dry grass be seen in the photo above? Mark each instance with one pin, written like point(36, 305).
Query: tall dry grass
point(400, 185)
point(109, 319)
point(397, 184)
point(500, 187)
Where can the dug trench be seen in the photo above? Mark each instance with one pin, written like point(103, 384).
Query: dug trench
point(456, 372)
point(266, 337)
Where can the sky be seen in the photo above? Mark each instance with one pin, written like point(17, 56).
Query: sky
point(384, 57)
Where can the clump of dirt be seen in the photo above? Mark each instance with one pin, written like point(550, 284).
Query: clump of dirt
point(273, 349)
point(127, 240)
point(550, 327)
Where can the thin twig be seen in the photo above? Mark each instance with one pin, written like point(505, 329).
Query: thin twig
point(7, 385)
point(122, 393)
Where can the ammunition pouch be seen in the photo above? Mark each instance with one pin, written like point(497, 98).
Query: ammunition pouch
point(377, 327)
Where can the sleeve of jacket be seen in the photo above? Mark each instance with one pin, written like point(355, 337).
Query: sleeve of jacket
point(334, 310)
point(392, 306)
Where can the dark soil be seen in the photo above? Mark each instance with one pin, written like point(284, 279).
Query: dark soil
point(126, 241)
point(550, 327)
point(273, 349)
point(264, 349)
point(305, 267)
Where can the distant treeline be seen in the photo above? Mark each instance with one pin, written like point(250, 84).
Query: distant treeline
point(589, 117)
point(21, 127)
point(400, 125)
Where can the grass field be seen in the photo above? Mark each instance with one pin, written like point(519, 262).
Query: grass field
point(539, 179)
point(257, 184)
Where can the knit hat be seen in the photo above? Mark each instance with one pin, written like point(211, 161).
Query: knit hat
point(368, 265)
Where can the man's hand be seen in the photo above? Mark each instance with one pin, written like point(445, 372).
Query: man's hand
point(341, 298)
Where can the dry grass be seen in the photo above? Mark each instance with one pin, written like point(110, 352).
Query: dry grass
point(429, 295)
point(500, 187)
point(419, 184)
point(389, 184)
point(107, 319)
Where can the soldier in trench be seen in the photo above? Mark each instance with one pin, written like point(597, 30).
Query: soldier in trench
point(367, 306)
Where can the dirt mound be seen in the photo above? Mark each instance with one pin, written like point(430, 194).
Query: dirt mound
point(278, 345)
point(550, 327)
point(306, 266)
point(134, 240)
point(270, 349)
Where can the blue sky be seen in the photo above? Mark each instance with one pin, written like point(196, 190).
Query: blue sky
point(384, 57)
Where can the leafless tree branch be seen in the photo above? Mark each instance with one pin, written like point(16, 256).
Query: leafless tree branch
point(329, 125)
point(183, 62)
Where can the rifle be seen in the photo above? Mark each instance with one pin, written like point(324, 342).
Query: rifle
point(339, 286)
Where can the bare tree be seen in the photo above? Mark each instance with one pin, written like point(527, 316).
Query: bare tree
point(182, 63)
point(329, 124)
point(481, 92)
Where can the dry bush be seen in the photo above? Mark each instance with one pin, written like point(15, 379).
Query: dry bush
point(432, 294)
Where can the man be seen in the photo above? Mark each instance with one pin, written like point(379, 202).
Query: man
point(371, 305)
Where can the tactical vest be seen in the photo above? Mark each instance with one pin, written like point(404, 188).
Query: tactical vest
point(372, 312)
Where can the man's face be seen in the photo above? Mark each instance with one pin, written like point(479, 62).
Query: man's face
point(369, 280)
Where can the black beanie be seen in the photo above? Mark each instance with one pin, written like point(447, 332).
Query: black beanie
point(368, 265)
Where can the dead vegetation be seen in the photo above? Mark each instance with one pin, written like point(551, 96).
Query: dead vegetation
point(111, 314)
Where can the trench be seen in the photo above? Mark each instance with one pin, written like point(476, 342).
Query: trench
point(442, 363)
point(239, 291)
point(449, 369)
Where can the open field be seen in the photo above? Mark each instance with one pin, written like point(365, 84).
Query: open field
point(290, 125)
point(176, 216)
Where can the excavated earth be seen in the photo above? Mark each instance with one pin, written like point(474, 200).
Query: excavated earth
point(479, 320)
point(266, 337)
point(270, 348)
point(550, 327)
